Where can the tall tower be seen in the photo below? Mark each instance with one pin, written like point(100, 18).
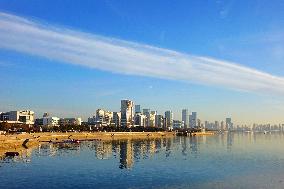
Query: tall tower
point(126, 113)
point(184, 118)
point(116, 119)
point(229, 124)
point(45, 114)
point(137, 108)
point(146, 112)
point(152, 118)
point(193, 120)
point(169, 118)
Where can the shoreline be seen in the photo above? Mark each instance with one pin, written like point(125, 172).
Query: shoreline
point(14, 142)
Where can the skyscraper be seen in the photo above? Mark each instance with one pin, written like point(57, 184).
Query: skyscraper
point(222, 126)
point(185, 118)
point(152, 118)
point(146, 112)
point(116, 119)
point(137, 108)
point(100, 116)
point(159, 121)
point(169, 117)
point(229, 124)
point(193, 120)
point(139, 120)
point(126, 113)
point(216, 125)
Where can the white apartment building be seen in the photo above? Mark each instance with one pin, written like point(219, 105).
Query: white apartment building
point(70, 121)
point(152, 118)
point(22, 116)
point(50, 121)
point(139, 120)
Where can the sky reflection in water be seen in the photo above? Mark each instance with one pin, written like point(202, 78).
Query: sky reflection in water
point(231, 160)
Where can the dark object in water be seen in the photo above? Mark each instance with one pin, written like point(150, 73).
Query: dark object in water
point(68, 141)
point(75, 141)
point(12, 153)
point(25, 143)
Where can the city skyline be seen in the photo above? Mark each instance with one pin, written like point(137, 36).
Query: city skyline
point(133, 115)
point(227, 66)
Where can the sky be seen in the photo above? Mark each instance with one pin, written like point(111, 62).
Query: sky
point(218, 58)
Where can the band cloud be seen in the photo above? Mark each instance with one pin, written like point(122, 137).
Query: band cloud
point(120, 56)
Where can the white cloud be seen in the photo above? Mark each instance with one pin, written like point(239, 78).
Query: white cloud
point(125, 57)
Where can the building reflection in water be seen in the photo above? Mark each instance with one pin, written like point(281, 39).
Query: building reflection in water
point(184, 146)
point(103, 150)
point(193, 145)
point(230, 139)
point(168, 146)
point(128, 152)
point(24, 156)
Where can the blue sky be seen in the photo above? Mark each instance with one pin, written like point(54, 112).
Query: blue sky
point(247, 33)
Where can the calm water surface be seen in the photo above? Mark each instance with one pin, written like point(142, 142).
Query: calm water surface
point(231, 160)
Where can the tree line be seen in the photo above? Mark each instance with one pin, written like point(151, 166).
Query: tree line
point(17, 127)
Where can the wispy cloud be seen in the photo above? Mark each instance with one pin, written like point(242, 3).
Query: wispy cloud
point(125, 57)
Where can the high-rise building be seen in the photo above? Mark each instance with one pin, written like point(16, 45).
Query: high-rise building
point(193, 120)
point(222, 126)
point(229, 124)
point(165, 123)
point(45, 114)
point(116, 119)
point(159, 121)
point(152, 118)
point(126, 113)
point(146, 112)
point(139, 120)
point(216, 125)
point(198, 123)
point(100, 116)
point(154, 112)
point(50, 121)
point(207, 125)
point(103, 117)
point(169, 117)
point(185, 118)
point(137, 108)
point(177, 124)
